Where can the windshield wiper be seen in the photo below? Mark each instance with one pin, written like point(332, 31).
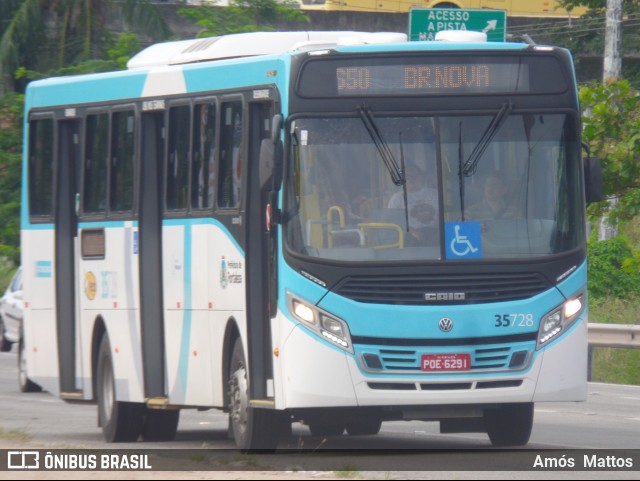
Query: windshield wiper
point(471, 164)
point(461, 171)
point(404, 184)
point(397, 173)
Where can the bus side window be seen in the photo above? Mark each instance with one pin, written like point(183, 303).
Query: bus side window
point(95, 164)
point(230, 168)
point(41, 168)
point(177, 174)
point(203, 174)
point(122, 158)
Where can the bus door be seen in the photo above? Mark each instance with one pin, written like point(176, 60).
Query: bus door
point(150, 254)
point(66, 248)
point(261, 262)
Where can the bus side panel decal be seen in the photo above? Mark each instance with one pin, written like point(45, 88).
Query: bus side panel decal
point(183, 366)
point(165, 81)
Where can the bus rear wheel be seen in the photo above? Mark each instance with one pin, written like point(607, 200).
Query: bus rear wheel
point(510, 424)
point(252, 429)
point(120, 421)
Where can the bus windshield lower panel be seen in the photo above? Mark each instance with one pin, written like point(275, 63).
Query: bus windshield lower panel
point(434, 188)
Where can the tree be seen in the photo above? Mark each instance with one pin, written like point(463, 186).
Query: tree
point(586, 36)
point(612, 130)
point(41, 35)
point(598, 7)
point(242, 16)
point(118, 53)
point(11, 106)
point(613, 269)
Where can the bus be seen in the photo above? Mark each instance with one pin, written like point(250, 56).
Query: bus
point(235, 223)
point(514, 8)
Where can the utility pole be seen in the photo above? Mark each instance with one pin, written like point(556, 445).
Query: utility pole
point(612, 70)
point(613, 41)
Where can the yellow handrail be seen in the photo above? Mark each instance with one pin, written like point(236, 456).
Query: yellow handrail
point(385, 226)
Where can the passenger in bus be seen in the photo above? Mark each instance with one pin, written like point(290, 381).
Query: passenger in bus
point(494, 203)
point(422, 205)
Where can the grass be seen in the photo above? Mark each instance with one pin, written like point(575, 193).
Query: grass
point(199, 458)
point(615, 365)
point(14, 435)
point(610, 310)
point(244, 460)
point(347, 472)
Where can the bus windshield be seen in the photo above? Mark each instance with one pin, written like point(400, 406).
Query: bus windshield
point(521, 195)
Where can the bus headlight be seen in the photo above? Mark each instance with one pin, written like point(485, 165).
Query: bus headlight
point(328, 326)
point(303, 312)
point(558, 320)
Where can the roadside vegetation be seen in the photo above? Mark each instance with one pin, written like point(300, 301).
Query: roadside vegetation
point(612, 130)
point(40, 38)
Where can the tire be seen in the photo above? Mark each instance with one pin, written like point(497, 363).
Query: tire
point(5, 345)
point(253, 429)
point(509, 425)
point(120, 421)
point(160, 425)
point(364, 426)
point(25, 384)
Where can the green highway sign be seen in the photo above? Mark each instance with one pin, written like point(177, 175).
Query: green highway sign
point(424, 23)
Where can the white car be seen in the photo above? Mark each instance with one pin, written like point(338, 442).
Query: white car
point(11, 308)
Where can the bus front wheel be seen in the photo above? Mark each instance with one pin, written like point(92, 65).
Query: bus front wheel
point(252, 428)
point(510, 424)
point(120, 421)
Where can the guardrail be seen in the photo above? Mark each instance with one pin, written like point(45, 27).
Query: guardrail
point(614, 335)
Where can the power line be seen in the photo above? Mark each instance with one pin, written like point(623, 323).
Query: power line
point(405, 5)
point(576, 24)
point(598, 21)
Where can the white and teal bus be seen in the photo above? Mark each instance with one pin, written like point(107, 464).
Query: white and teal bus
point(233, 223)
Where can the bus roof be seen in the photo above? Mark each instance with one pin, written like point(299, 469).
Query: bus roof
point(176, 67)
point(251, 44)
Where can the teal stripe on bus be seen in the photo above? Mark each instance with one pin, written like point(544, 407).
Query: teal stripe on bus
point(105, 87)
point(183, 362)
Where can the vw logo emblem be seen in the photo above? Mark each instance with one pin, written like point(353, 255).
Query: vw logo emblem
point(445, 324)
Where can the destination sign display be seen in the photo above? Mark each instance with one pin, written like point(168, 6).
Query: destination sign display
point(434, 78)
point(430, 75)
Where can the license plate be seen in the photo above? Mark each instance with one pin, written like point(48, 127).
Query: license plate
point(446, 362)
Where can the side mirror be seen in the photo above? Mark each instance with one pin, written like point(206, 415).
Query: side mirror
point(593, 181)
point(270, 169)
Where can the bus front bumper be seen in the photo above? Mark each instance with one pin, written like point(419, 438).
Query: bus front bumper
point(314, 374)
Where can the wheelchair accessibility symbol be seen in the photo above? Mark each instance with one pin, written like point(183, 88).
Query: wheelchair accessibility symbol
point(463, 240)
